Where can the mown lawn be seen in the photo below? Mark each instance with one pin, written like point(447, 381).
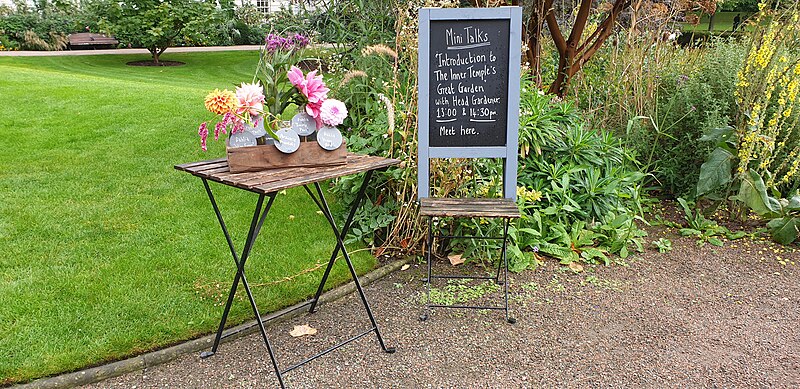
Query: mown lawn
point(723, 22)
point(105, 249)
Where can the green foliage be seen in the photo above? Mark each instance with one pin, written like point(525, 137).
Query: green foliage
point(661, 98)
point(687, 105)
point(578, 191)
point(663, 245)
point(41, 26)
point(706, 231)
point(154, 24)
point(784, 214)
point(355, 23)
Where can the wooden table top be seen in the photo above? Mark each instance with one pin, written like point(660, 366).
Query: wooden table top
point(273, 180)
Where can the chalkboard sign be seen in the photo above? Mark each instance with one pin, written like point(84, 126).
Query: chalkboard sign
point(469, 70)
point(468, 75)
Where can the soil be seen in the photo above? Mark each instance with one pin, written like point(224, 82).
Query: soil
point(694, 316)
point(160, 63)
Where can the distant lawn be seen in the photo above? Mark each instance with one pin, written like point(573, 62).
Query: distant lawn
point(723, 22)
point(106, 250)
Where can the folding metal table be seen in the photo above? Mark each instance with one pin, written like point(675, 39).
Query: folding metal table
point(267, 184)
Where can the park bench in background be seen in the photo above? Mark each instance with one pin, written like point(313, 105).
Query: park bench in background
point(89, 40)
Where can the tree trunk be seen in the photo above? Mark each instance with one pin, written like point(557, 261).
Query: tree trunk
point(572, 53)
point(532, 33)
point(154, 53)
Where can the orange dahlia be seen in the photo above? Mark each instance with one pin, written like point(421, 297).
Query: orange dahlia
point(221, 102)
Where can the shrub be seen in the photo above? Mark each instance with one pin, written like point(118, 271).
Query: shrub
point(43, 27)
point(661, 98)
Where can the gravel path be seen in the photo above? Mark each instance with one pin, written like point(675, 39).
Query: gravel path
point(692, 317)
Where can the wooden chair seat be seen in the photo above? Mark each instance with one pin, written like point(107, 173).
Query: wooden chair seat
point(468, 207)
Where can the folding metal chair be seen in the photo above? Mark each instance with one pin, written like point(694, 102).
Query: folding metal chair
point(464, 113)
point(468, 208)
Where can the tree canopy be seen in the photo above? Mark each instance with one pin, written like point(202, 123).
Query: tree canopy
point(153, 24)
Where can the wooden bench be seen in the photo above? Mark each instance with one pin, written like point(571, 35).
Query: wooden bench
point(86, 40)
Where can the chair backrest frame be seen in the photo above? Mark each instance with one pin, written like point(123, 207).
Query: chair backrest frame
point(508, 151)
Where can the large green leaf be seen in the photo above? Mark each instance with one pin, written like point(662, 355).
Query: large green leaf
point(717, 134)
point(715, 172)
point(784, 230)
point(753, 193)
point(794, 203)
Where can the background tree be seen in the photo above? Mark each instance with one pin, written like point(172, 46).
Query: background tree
point(573, 51)
point(153, 24)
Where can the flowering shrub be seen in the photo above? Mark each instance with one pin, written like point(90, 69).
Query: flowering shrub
point(767, 93)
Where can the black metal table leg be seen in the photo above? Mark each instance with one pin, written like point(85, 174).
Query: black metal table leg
point(345, 230)
point(255, 227)
point(340, 234)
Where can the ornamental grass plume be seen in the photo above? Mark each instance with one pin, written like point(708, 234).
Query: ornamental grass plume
point(352, 75)
point(379, 49)
point(221, 102)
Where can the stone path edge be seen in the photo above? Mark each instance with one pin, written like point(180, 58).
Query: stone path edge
point(139, 362)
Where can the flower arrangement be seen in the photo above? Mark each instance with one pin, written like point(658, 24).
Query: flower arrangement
point(276, 84)
point(314, 96)
point(235, 109)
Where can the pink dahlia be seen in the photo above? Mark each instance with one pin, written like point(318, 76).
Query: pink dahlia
point(314, 88)
point(333, 112)
point(311, 86)
point(296, 77)
point(251, 98)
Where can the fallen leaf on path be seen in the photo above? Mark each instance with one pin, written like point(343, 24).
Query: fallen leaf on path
point(575, 266)
point(304, 329)
point(455, 259)
point(405, 267)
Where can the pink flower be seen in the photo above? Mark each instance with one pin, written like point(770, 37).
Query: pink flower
point(311, 86)
point(333, 112)
point(314, 89)
point(219, 127)
point(251, 98)
point(203, 132)
point(296, 76)
point(313, 110)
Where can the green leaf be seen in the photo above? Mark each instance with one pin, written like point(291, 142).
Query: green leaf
point(753, 193)
point(784, 230)
point(735, 235)
point(592, 254)
point(715, 172)
point(690, 232)
point(794, 203)
point(715, 242)
point(623, 252)
point(717, 134)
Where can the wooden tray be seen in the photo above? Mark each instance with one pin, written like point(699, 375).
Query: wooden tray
point(256, 158)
